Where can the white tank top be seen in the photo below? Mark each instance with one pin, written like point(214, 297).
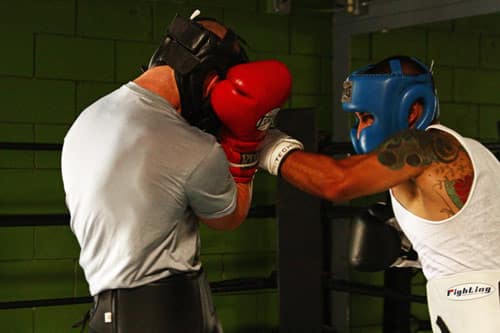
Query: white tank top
point(470, 239)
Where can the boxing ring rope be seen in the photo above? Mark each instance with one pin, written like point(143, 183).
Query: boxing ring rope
point(30, 146)
point(217, 287)
point(34, 220)
point(327, 148)
point(370, 290)
point(261, 211)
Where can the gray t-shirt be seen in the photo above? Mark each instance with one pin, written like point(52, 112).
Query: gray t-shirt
point(136, 176)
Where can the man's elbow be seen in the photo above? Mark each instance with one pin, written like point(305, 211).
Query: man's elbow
point(237, 218)
point(335, 190)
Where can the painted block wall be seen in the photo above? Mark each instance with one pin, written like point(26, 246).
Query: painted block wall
point(62, 55)
point(57, 57)
point(467, 77)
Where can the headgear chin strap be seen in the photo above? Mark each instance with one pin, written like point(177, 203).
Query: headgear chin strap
point(388, 97)
point(195, 52)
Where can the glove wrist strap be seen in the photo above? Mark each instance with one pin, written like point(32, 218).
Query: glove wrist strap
point(280, 152)
point(242, 165)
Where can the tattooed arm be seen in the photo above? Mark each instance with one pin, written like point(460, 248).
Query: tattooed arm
point(399, 160)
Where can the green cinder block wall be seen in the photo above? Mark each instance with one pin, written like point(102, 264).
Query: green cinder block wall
point(467, 75)
point(58, 56)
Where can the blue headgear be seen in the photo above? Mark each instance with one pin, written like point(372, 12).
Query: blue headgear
point(388, 97)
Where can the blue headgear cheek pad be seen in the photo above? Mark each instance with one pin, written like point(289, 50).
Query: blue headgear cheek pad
point(368, 140)
point(368, 93)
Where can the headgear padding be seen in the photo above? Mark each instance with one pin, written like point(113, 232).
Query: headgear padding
point(194, 52)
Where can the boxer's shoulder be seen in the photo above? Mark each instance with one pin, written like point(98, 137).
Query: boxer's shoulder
point(442, 188)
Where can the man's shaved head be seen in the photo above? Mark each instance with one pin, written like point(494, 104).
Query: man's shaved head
point(215, 27)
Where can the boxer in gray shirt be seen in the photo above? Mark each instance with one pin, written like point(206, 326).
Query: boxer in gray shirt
point(137, 175)
point(144, 164)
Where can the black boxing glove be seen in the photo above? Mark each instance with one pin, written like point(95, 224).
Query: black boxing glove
point(378, 243)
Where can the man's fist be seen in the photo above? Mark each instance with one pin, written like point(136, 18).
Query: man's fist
point(246, 102)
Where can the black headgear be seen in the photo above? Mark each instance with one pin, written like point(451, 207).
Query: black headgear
point(194, 52)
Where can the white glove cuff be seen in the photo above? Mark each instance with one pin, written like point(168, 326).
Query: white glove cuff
point(271, 158)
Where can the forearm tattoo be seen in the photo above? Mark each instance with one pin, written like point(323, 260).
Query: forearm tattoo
point(452, 171)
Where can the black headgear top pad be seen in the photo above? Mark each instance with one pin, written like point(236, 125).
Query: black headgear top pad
point(194, 52)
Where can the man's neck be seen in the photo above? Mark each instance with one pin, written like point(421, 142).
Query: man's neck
point(161, 81)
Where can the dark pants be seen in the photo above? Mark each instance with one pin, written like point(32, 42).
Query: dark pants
point(180, 303)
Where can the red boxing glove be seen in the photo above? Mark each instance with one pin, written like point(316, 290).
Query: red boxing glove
point(246, 102)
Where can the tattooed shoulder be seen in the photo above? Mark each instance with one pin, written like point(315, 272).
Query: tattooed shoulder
point(418, 148)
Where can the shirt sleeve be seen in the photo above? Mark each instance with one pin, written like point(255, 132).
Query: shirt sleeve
point(210, 188)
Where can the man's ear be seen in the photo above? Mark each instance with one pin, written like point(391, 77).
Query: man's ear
point(415, 113)
point(210, 81)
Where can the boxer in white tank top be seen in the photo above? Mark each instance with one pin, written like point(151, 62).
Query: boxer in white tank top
point(460, 255)
point(445, 189)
